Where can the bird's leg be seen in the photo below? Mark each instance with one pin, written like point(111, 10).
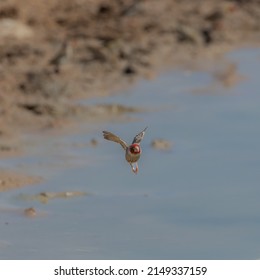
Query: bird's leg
point(135, 170)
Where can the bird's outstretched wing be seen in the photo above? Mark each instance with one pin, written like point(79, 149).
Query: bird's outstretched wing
point(139, 137)
point(112, 137)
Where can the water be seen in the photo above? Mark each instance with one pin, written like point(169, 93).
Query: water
point(198, 201)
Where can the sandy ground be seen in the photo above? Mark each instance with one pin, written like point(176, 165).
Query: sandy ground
point(53, 52)
point(10, 180)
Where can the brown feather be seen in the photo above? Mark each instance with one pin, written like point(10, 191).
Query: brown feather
point(112, 137)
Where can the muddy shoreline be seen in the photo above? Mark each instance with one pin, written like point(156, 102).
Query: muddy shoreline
point(55, 52)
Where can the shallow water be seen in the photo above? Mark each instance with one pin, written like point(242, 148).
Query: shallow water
point(198, 201)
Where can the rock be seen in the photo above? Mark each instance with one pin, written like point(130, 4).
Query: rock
point(93, 142)
point(44, 197)
point(30, 212)
point(161, 144)
point(10, 28)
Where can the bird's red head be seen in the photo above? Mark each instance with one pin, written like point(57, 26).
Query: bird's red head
point(135, 149)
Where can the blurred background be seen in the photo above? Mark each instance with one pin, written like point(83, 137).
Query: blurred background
point(189, 70)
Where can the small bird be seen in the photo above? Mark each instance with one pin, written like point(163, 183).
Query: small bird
point(133, 151)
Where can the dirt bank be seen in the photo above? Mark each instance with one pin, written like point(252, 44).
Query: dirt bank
point(55, 51)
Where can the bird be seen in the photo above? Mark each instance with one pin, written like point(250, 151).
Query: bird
point(133, 151)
